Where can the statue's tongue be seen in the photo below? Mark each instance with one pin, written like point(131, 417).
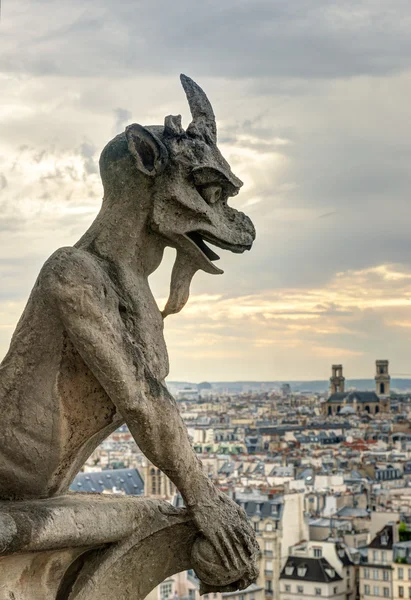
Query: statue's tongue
point(181, 276)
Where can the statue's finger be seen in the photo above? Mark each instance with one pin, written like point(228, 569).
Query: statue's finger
point(219, 548)
point(228, 547)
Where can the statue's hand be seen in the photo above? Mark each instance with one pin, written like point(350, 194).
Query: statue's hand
point(225, 525)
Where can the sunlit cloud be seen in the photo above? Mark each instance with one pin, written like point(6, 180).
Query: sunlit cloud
point(319, 133)
point(328, 323)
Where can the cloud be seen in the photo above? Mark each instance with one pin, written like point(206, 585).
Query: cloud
point(258, 39)
point(278, 333)
point(312, 108)
point(88, 151)
point(123, 117)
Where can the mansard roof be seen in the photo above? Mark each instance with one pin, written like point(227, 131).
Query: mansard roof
point(384, 539)
point(128, 481)
point(351, 397)
point(315, 569)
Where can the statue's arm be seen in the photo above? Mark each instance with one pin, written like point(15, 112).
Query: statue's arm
point(75, 288)
point(93, 323)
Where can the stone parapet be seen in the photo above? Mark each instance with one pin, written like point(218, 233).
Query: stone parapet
point(82, 546)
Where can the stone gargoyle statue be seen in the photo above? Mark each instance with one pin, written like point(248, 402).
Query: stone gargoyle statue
point(88, 354)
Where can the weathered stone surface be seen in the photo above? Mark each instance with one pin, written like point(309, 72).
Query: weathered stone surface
point(66, 547)
point(89, 354)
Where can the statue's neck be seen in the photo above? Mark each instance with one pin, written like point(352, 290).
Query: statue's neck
point(120, 234)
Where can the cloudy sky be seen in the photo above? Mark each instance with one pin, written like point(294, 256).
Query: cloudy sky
point(312, 99)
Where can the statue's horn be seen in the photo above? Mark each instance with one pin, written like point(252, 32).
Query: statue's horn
point(203, 121)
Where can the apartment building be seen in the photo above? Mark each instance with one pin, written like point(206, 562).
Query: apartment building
point(377, 572)
point(279, 523)
point(341, 558)
point(401, 569)
point(307, 577)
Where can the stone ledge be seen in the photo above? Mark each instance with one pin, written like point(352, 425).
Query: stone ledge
point(82, 546)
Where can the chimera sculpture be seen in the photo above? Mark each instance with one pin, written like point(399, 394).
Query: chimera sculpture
point(88, 354)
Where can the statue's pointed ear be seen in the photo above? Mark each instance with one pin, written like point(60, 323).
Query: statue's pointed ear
point(148, 150)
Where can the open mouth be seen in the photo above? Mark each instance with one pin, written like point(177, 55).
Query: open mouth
point(198, 240)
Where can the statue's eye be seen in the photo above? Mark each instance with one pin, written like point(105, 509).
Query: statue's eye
point(211, 193)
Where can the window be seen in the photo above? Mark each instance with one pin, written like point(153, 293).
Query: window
point(318, 591)
point(268, 547)
point(289, 570)
point(375, 573)
point(318, 552)
point(335, 591)
point(301, 571)
point(400, 573)
point(288, 588)
point(409, 573)
point(256, 526)
point(375, 555)
point(376, 590)
point(367, 590)
point(401, 591)
point(385, 575)
point(300, 589)
point(386, 592)
point(166, 590)
point(192, 594)
point(366, 573)
point(409, 592)
point(269, 565)
point(383, 557)
point(269, 527)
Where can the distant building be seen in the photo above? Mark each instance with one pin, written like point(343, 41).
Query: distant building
point(337, 380)
point(156, 483)
point(278, 523)
point(305, 577)
point(188, 393)
point(342, 402)
point(181, 586)
point(286, 389)
point(382, 378)
point(377, 572)
point(120, 481)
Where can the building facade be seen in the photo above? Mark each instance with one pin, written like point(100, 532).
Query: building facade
point(342, 402)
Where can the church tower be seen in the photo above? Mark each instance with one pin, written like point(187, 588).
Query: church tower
point(382, 378)
point(337, 380)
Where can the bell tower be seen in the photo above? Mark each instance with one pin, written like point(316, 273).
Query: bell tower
point(382, 378)
point(337, 380)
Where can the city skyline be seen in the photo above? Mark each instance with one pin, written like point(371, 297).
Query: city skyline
point(312, 113)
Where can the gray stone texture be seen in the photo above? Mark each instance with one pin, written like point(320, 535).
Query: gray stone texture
point(88, 354)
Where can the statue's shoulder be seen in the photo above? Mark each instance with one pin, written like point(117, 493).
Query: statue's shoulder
point(69, 268)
